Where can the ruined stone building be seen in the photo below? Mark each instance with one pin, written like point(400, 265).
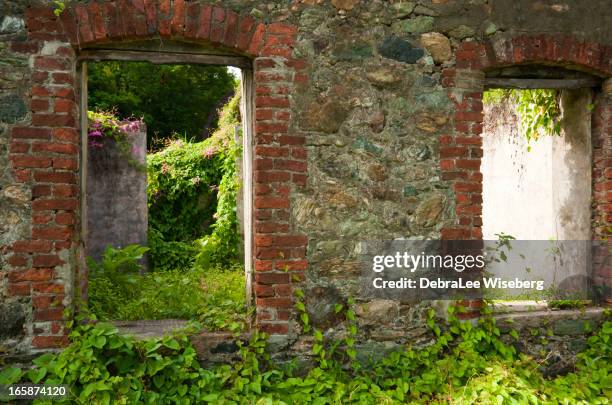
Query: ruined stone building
point(365, 122)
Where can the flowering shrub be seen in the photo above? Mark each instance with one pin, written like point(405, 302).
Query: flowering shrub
point(103, 125)
point(192, 189)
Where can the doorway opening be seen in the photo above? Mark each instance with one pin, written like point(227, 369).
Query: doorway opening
point(536, 168)
point(166, 188)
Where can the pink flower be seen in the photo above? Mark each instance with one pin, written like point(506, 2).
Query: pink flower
point(208, 153)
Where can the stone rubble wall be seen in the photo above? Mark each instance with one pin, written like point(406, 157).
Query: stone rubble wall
point(368, 117)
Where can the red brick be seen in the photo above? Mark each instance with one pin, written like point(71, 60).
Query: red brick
point(65, 219)
point(270, 128)
point(96, 17)
point(216, 32)
point(290, 240)
point(271, 202)
point(291, 165)
point(205, 22)
point(19, 147)
point(177, 25)
point(299, 179)
point(291, 140)
point(468, 209)
point(262, 265)
point(83, 23)
point(31, 133)
point(263, 114)
point(55, 204)
point(52, 233)
point(299, 153)
point(192, 16)
point(272, 278)
point(19, 289)
point(468, 187)
point(271, 253)
point(49, 288)
point(65, 163)
point(31, 161)
point(46, 301)
point(272, 151)
point(64, 106)
point(65, 190)
point(274, 302)
point(41, 219)
point(46, 261)
point(257, 40)
point(151, 15)
point(291, 265)
point(49, 314)
point(29, 47)
point(283, 290)
point(41, 190)
point(271, 176)
point(55, 177)
point(230, 32)
point(32, 246)
point(271, 101)
point(274, 328)
point(263, 290)
point(18, 260)
point(18, 276)
point(453, 151)
point(65, 135)
point(63, 148)
point(48, 342)
point(454, 234)
point(53, 120)
point(468, 164)
point(280, 28)
point(39, 105)
point(246, 25)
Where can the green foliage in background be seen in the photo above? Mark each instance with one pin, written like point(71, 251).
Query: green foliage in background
point(117, 291)
point(172, 99)
point(538, 109)
point(192, 191)
point(465, 364)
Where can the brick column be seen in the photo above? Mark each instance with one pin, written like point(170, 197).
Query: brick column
point(602, 189)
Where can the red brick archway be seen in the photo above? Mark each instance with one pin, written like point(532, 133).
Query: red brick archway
point(461, 151)
point(46, 154)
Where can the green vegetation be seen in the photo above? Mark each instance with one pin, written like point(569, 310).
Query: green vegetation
point(192, 191)
point(215, 297)
point(141, 89)
point(464, 365)
point(538, 109)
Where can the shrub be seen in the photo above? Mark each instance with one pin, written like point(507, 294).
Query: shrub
point(192, 193)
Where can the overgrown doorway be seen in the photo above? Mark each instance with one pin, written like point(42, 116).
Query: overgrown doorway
point(191, 265)
point(536, 168)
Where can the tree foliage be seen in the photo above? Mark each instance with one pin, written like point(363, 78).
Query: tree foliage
point(174, 100)
point(538, 109)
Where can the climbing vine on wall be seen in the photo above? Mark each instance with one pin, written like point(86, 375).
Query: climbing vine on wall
point(538, 109)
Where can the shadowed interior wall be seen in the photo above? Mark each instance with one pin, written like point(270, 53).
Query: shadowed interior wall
point(116, 196)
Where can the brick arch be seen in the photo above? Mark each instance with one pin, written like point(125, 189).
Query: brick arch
point(461, 151)
point(45, 152)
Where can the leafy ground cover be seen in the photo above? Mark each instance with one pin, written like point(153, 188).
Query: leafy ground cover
point(466, 364)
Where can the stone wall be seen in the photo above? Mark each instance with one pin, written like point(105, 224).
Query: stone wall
point(368, 117)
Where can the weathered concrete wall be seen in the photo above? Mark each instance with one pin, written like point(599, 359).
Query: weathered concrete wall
point(367, 126)
point(117, 213)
